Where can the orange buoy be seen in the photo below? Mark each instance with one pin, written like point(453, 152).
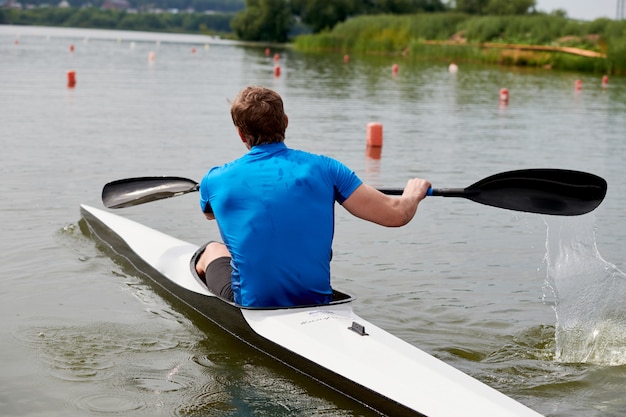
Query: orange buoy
point(578, 85)
point(605, 80)
point(71, 48)
point(277, 71)
point(276, 57)
point(394, 69)
point(374, 135)
point(267, 51)
point(151, 56)
point(453, 68)
point(346, 58)
point(504, 95)
point(71, 78)
point(374, 152)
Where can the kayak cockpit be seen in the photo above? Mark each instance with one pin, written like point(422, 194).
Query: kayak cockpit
point(338, 296)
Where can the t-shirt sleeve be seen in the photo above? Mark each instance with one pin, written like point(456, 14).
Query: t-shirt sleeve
point(205, 206)
point(345, 180)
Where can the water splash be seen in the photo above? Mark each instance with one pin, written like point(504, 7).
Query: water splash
point(589, 295)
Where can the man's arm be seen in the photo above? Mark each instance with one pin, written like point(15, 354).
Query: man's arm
point(370, 204)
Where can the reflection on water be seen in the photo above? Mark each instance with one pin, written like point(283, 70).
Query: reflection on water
point(589, 295)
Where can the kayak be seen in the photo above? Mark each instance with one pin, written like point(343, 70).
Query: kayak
point(327, 343)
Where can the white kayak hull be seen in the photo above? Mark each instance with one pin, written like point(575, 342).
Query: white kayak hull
point(330, 343)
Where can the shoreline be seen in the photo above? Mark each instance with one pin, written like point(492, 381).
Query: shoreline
point(523, 47)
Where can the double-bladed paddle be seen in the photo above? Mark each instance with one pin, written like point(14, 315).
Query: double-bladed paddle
point(545, 191)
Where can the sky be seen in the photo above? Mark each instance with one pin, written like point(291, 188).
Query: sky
point(581, 9)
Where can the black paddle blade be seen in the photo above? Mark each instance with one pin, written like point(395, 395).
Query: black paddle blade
point(546, 191)
point(133, 191)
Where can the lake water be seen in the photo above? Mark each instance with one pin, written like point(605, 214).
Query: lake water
point(532, 305)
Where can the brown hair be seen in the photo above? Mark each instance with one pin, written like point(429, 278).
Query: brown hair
point(259, 114)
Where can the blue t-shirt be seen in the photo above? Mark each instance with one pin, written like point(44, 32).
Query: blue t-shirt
point(275, 211)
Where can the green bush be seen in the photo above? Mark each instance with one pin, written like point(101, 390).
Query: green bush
point(616, 56)
point(401, 34)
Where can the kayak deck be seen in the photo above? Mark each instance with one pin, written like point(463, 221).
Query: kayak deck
point(328, 343)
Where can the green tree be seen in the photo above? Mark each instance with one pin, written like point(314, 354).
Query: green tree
point(559, 13)
point(263, 20)
point(509, 7)
point(406, 6)
point(495, 7)
point(471, 6)
point(82, 18)
point(325, 14)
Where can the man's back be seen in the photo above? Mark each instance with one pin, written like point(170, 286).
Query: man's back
point(275, 211)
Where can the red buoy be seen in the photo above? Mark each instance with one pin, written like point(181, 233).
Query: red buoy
point(71, 79)
point(504, 95)
point(346, 58)
point(276, 57)
point(578, 85)
point(267, 51)
point(394, 69)
point(71, 48)
point(605, 80)
point(374, 135)
point(277, 71)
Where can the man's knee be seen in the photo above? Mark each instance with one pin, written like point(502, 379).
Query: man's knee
point(216, 250)
point(212, 251)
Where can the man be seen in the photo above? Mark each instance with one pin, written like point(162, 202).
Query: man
point(274, 207)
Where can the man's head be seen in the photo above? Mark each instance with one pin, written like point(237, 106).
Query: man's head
point(259, 116)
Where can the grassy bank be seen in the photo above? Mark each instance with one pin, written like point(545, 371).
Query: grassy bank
point(486, 39)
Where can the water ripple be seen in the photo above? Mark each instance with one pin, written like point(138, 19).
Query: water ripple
point(108, 402)
point(79, 353)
